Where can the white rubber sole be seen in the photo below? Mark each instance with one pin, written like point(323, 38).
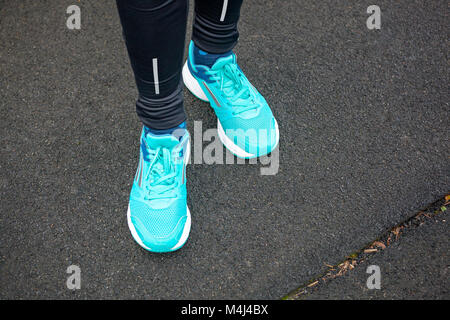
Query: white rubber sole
point(194, 87)
point(186, 229)
point(192, 84)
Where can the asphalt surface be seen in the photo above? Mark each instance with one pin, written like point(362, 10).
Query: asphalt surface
point(363, 116)
point(415, 267)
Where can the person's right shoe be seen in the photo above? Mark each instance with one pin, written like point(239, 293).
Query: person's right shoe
point(158, 216)
point(246, 125)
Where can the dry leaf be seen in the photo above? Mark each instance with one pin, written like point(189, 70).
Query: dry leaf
point(396, 231)
point(379, 244)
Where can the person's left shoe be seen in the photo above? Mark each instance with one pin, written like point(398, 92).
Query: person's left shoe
point(245, 123)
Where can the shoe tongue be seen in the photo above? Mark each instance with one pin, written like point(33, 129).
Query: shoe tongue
point(165, 140)
point(232, 59)
point(223, 61)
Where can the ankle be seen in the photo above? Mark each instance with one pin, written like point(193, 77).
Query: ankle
point(164, 131)
point(202, 57)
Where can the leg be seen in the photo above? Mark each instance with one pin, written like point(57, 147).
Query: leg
point(215, 25)
point(246, 125)
point(154, 33)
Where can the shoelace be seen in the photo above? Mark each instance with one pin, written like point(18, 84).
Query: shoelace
point(161, 175)
point(234, 87)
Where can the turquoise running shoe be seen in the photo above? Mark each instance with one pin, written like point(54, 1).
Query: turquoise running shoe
point(158, 216)
point(245, 123)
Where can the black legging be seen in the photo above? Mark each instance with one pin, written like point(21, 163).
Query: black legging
point(154, 32)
